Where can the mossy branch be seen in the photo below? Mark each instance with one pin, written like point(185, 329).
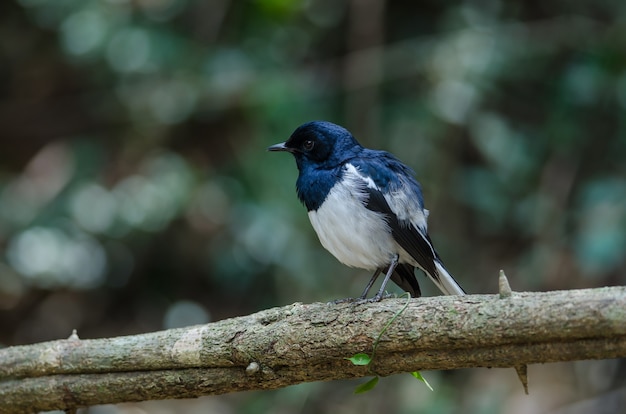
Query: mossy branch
point(309, 342)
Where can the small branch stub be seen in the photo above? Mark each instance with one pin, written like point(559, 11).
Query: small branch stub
point(506, 292)
point(522, 374)
point(252, 368)
point(503, 286)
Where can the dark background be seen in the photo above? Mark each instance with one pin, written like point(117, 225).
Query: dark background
point(136, 193)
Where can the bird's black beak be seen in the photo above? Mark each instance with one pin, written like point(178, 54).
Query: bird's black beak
point(279, 147)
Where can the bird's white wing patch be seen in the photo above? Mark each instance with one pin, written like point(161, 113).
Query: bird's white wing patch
point(400, 200)
point(407, 209)
point(358, 178)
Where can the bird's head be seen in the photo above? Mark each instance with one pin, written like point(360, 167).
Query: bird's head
point(320, 143)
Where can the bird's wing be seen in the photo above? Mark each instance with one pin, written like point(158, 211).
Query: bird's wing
point(393, 191)
point(411, 239)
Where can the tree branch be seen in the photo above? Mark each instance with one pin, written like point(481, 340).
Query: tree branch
point(308, 342)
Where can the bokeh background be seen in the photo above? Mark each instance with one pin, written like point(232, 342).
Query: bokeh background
point(136, 193)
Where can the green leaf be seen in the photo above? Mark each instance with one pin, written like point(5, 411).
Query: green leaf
point(360, 359)
point(367, 386)
point(418, 375)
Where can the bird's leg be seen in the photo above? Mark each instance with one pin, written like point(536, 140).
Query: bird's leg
point(365, 292)
point(370, 284)
point(392, 267)
point(381, 291)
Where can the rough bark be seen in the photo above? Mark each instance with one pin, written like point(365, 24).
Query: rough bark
point(309, 342)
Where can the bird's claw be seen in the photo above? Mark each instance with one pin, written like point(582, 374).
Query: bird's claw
point(362, 300)
point(344, 300)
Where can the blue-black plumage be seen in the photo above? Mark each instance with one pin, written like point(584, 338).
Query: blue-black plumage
point(366, 207)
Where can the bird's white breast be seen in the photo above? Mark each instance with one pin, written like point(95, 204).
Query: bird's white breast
point(355, 235)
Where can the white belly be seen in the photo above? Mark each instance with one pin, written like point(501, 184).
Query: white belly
point(356, 236)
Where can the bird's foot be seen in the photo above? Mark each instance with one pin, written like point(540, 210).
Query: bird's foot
point(362, 300)
point(377, 298)
point(344, 300)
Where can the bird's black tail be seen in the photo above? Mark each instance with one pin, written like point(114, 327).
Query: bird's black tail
point(404, 276)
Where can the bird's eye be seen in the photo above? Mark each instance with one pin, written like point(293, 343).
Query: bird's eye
point(308, 145)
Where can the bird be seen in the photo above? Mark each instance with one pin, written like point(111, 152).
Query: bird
point(366, 207)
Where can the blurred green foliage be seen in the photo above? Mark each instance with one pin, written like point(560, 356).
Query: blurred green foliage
point(136, 193)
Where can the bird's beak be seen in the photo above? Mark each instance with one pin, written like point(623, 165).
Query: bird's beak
point(279, 147)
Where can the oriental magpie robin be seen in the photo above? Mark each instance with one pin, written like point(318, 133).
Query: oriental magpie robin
point(366, 208)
